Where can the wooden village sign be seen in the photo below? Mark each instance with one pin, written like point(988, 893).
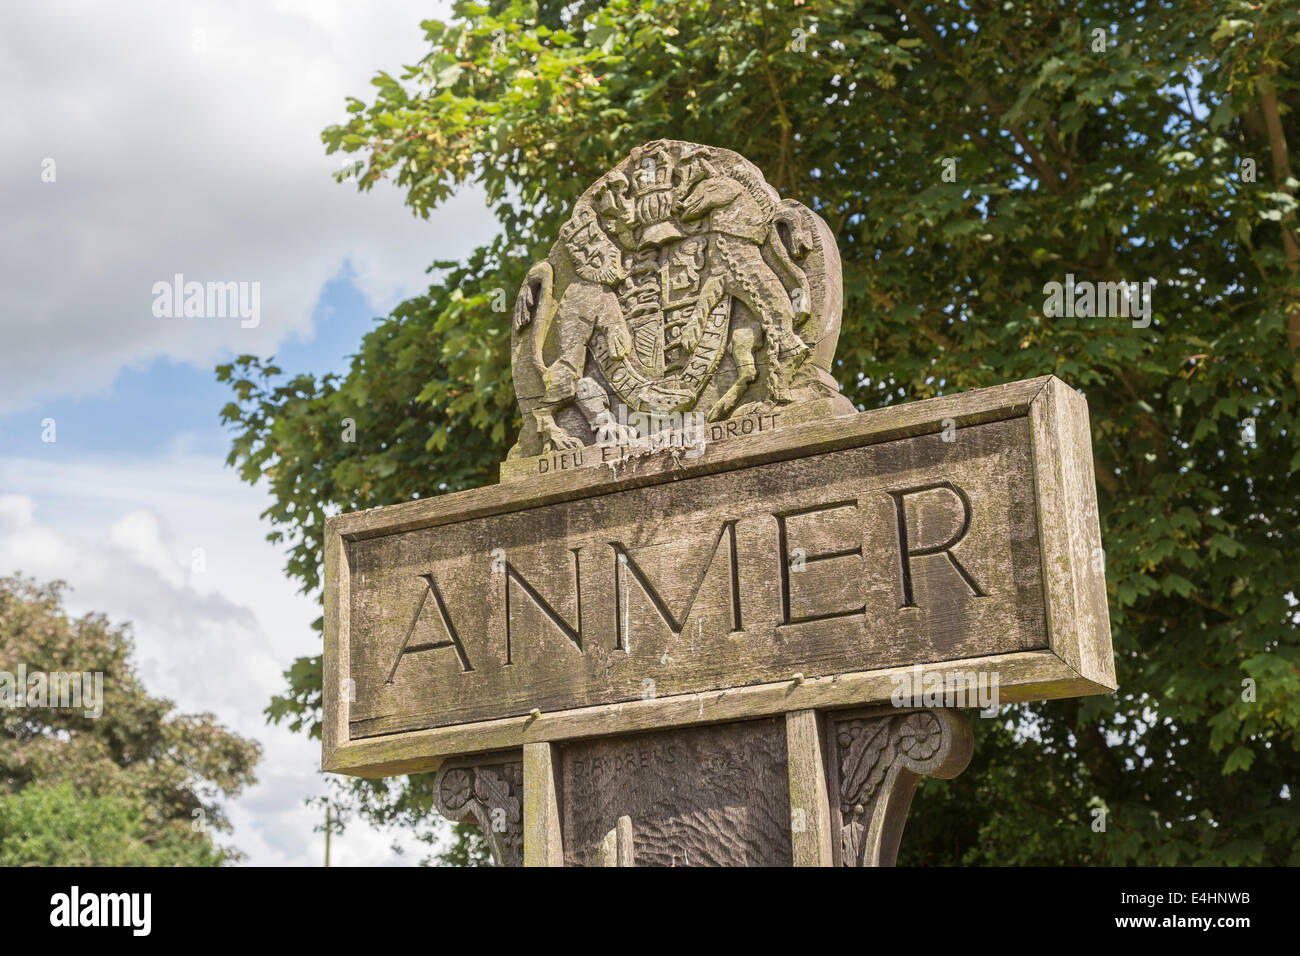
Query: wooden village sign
point(676, 631)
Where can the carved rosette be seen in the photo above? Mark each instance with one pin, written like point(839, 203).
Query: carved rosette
point(879, 760)
point(491, 796)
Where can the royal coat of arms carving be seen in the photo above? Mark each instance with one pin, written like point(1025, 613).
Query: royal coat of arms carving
point(681, 283)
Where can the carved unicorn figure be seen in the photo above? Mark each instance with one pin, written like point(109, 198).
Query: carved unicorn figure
point(746, 243)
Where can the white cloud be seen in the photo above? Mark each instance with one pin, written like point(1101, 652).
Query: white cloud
point(216, 640)
point(140, 534)
point(202, 161)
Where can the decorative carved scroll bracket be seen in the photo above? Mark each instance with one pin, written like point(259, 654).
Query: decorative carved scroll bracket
point(491, 796)
point(878, 759)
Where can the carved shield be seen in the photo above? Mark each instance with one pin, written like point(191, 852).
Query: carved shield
point(658, 373)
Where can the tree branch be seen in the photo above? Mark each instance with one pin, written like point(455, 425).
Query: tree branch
point(785, 169)
point(1281, 173)
point(1045, 172)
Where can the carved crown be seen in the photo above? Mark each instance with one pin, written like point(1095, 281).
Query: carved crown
point(654, 171)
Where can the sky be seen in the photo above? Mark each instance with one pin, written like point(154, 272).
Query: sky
point(165, 137)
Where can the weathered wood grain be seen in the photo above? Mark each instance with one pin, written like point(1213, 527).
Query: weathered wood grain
point(823, 565)
point(542, 841)
point(1031, 675)
point(1073, 560)
point(810, 820)
point(339, 688)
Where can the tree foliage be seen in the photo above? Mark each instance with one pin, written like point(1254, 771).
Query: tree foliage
point(134, 785)
point(44, 825)
point(1119, 140)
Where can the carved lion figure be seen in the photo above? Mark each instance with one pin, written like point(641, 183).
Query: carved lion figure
point(549, 358)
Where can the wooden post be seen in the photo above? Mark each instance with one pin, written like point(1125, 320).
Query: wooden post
point(542, 846)
point(616, 848)
point(810, 820)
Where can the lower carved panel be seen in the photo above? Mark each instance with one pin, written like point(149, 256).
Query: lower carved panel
point(700, 796)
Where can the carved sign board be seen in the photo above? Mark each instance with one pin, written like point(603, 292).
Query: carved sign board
point(804, 568)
